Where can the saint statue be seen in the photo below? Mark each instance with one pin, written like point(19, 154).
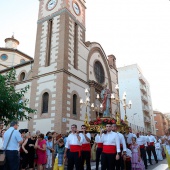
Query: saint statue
point(105, 95)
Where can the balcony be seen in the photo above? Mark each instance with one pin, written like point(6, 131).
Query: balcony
point(142, 79)
point(144, 99)
point(145, 109)
point(147, 120)
point(143, 88)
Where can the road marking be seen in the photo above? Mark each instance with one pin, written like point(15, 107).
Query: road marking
point(161, 166)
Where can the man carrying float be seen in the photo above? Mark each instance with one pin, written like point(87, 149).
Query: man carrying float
point(111, 148)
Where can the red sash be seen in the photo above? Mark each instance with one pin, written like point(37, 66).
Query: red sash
point(142, 146)
point(151, 143)
point(128, 159)
point(86, 147)
point(100, 145)
point(75, 148)
point(109, 149)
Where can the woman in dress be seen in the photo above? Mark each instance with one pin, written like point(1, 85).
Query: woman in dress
point(40, 145)
point(137, 163)
point(29, 150)
point(158, 150)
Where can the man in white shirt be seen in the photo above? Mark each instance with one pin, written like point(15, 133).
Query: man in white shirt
point(86, 148)
point(151, 148)
point(74, 142)
point(129, 137)
point(111, 148)
point(140, 140)
point(120, 162)
point(99, 149)
point(11, 152)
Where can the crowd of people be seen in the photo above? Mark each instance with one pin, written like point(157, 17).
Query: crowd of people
point(110, 148)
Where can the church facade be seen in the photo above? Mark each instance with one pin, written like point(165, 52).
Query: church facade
point(64, 65)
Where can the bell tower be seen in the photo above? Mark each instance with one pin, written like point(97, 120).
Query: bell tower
point(60, 28)
point(59, 40)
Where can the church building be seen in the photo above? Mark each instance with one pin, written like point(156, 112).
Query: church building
point(63, 66)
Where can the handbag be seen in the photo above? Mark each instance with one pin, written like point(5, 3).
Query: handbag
point(2, 156)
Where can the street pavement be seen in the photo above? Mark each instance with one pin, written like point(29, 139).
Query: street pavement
point(161, 165)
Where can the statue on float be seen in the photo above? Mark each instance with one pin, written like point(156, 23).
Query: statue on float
point(105, 96)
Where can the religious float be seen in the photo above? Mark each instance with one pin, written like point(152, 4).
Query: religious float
point(105, 98)
point(95, 126)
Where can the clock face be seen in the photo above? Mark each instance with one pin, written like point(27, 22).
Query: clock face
point(51, 4)
point(76, 8)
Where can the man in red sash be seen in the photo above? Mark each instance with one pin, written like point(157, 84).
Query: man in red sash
point(111, 148)
point(74, 142)
point(99, 149)
point(86, 148)
point(120, 162)
point(151, 148)
point(140, 140)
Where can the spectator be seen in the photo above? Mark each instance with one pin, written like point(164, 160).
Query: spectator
point(37, 132)
point(47, 135)
point(40, 145)
point(50, 150)
point(29, 150)
point(12, 155)
point(1, 144)
point(1, 126)
point(59, 161)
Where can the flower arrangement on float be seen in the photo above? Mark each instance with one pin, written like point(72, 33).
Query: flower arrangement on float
point(105, 121)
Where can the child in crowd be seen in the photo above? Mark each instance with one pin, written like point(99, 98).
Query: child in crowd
point(127, 158)
point(49, 148)
point(59, 161)
point(137, 163)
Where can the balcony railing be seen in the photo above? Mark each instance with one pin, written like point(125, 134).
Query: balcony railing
point(147, 120)
point(143, 88)
point(144, 99)
point(142, 79)
point(145, 109)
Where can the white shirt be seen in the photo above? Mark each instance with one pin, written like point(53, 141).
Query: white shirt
point(14, 141)
point(98, 139)
point(1, 143)
point(152, 139)
point(129, 137)
point(128, 152)
point(157, 145)
point(73, 140)
point(140, 140)
point(84, 139)
point(111, 138)
point(122, 141)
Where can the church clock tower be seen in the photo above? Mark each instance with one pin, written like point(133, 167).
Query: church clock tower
point(61, 25)
point(60, 35)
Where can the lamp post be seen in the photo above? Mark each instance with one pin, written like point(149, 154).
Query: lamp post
point(122, 101)
point(98, 107)
point(134, 119)
point(85, 103)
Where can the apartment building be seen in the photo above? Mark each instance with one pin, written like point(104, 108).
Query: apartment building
point(140, 115)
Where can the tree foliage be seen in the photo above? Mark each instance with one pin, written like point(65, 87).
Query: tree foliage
point(13, 105)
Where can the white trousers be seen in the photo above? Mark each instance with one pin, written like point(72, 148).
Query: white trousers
point(49, 161)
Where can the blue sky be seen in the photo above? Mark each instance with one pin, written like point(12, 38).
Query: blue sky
point(135, 31)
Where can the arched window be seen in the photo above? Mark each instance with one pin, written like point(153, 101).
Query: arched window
point(99, 72)
point(45, 99)
point(74, 104)
point(22, 76)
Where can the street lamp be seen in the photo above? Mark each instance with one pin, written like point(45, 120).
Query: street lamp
point(134, 119)
point(122, 101)
point(85, 103)
point(98, 106)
